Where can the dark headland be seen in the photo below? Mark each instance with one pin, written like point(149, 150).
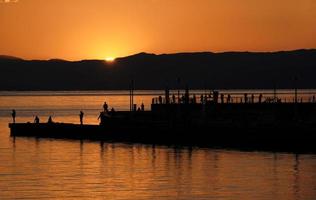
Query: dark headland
point(228, 70)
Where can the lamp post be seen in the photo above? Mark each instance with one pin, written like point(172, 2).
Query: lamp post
point(131, 95)
point(178, 81)
point(295, 88)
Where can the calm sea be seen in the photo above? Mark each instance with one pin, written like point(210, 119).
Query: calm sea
point(33, 168)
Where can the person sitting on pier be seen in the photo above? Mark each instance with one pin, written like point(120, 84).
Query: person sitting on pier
point(36, 120)
point(50, 120)
point(81, 117)
point(13, 115)
point(112, 112)
point(105, 107)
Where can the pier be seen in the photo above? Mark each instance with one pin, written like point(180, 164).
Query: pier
point(221, 120)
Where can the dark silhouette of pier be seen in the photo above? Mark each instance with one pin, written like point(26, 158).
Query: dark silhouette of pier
point(217, 119)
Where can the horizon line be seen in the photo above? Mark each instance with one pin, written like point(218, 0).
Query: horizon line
point(155, 54)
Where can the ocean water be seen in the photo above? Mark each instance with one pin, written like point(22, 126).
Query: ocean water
point(32, 168)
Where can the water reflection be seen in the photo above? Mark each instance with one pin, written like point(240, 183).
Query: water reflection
point(296, 186)
point(46, 168)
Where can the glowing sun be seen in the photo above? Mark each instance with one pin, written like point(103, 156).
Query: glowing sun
point(109, 59)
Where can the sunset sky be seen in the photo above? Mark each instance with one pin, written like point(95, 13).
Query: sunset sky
point(97, 29)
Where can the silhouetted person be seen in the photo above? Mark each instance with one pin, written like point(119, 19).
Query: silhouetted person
point(160, 99)
point(260, 98)
point(13, 115)
point(186, 95)
point(142, 107)
point(138, 109)
point(222, 98)
point(252, 98)
point(105, 106)
point(201, 98)
point(36, 120)
point(182, 98)
point(174, 98)
point(246, 97)
point(194, 99)
point(215, 96)
point(81, 117)
point(112, 112)
point(100, 116)
point(50, 120)
point(228, 98)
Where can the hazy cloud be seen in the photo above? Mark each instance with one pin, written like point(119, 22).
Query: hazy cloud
point(9, 1)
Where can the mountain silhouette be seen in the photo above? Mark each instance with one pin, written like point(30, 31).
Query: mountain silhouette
point(229, 70)
point(6, 57)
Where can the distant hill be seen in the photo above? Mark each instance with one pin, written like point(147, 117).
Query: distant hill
point(230, 70)
point(5, 57)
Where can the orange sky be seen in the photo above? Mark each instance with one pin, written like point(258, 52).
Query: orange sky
point(79, 29)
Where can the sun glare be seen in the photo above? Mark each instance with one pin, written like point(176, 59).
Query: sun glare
point(109, 59)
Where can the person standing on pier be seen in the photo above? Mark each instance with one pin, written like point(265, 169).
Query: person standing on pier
point(160, 99)
point(260, 98)
point(105, 107)
point(142, 107)
point(246, 97)
point(50, 120)
point(101, 117)
point(36, 120)
point(13, 115)
point(81, 117)
point(228, 98)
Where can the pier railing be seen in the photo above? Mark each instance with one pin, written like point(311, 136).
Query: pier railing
point(284, 97)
